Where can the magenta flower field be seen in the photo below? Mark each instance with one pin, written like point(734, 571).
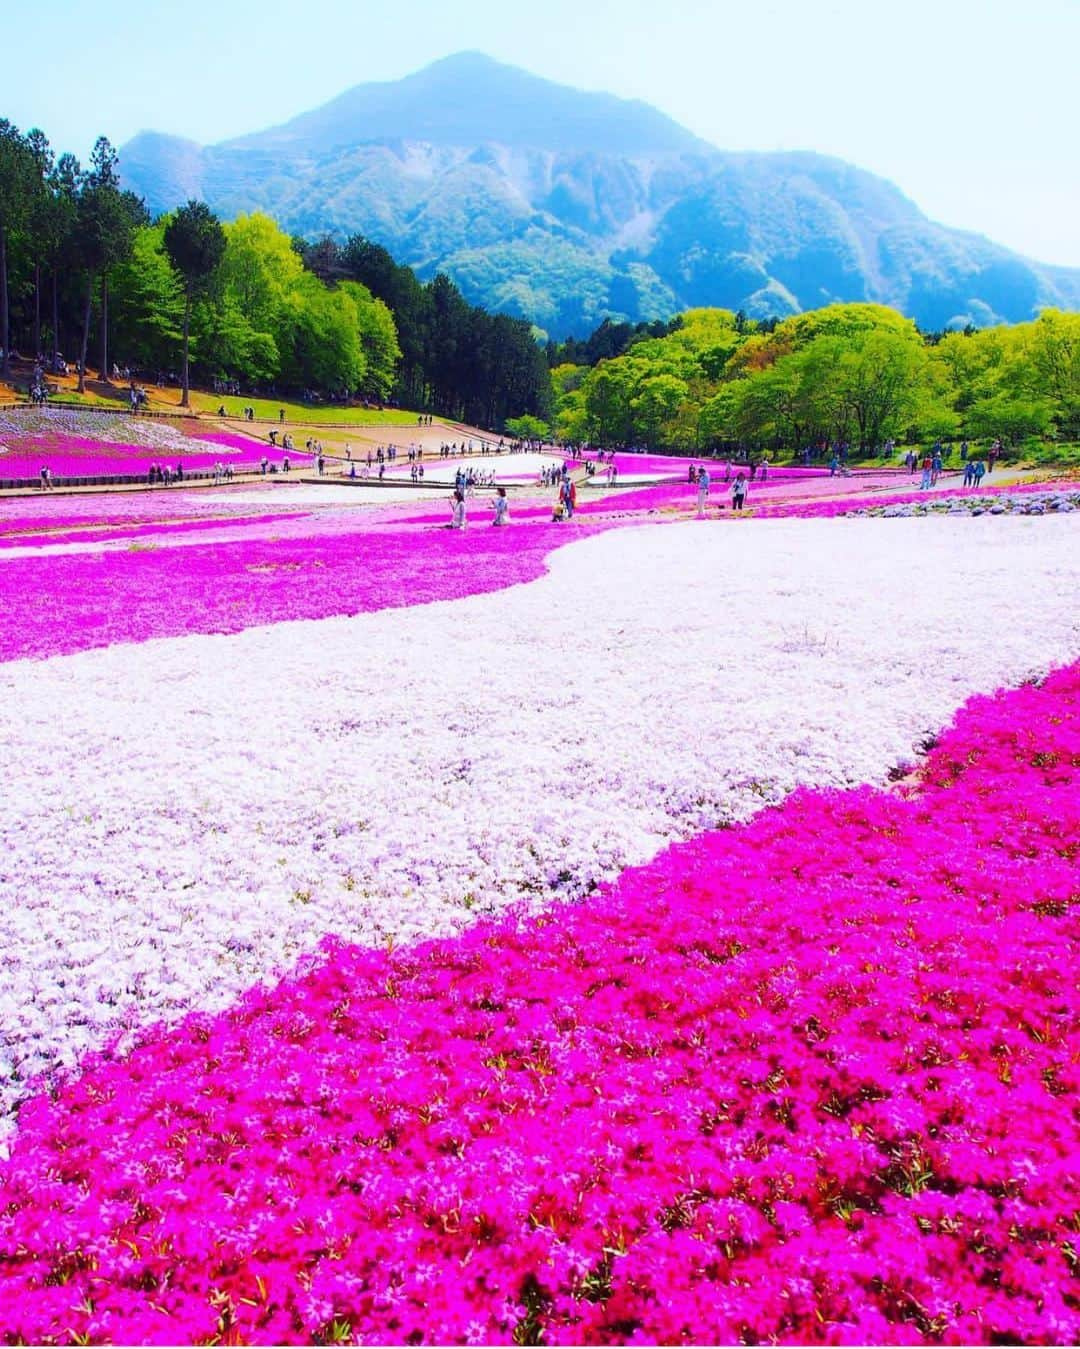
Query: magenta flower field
point(756, 1090)
point(158, 589)
point(74, 456)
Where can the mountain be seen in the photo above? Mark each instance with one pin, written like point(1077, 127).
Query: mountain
point(565, 206)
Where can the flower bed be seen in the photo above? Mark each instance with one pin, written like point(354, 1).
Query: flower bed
point(85, 444)
point(97, 598)
point(151, 533)
point(752, 1092)
point(994, 499)
point(201, 811)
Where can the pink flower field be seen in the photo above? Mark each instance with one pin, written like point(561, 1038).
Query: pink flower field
point(53, 439)
point(810, 1080)
point(157, 589)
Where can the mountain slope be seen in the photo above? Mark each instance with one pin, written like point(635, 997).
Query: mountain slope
point(565, 206)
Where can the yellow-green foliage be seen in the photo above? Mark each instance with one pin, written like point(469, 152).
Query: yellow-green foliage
point(265, 316)
point(856, 372)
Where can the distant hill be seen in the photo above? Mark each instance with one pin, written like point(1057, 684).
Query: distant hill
point(565, 207)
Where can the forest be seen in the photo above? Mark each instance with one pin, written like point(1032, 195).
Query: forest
point(860, 374)
point(86, 276)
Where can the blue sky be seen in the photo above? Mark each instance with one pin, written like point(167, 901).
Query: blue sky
point(970, 106)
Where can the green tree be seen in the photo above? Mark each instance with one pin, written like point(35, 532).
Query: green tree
point(883, 375)
point(378, 340)
point(41, 215)
point(1010, 417)
point(656, 402)
point(1053, 352)
point(147, 301)
point(106, 220)
point(528, 428)
point(607, 404)
point(322, 347)
point(195, 243)
point(61, 242)
point(17, 174)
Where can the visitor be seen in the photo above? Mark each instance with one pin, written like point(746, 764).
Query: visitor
point(935, 468)
point(834, 465)
point(702, 491)
point(979, 472)
point(738, 491)
point(457, 509)
point(927, 472)
point(281, 414)
point(763, 470)
point(502, 507)
point(285, 464)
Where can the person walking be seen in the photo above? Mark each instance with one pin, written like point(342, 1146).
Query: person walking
point(927, 472)
point(738, 492)
point(702, 491)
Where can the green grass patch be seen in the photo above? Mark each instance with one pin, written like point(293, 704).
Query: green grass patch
point(302, 414)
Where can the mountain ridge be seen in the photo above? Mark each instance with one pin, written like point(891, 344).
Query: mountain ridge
point(565, 206)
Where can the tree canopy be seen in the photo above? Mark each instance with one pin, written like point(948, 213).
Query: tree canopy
point(856, 373)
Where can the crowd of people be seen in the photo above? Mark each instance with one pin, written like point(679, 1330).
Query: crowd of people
point(701, 478)
point(930, 464)
point(162, 475)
